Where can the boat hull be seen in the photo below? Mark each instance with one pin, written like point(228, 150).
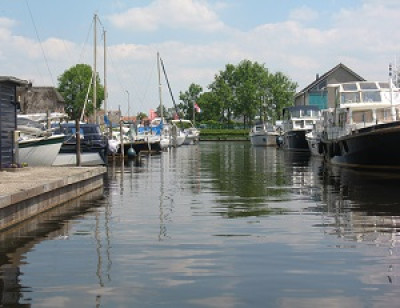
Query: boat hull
point(264, 139)
point(376, 147)
point(40, 151)
point(295, 140)
point(142, 146)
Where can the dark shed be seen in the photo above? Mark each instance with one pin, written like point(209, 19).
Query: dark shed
point(8, 118)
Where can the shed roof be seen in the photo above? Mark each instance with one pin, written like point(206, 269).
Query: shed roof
point(16, 81)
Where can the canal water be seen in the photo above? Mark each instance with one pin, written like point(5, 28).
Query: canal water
point(219, 224)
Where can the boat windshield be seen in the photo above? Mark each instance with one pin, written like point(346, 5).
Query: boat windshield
point(368, 86)
point(349, 97)
point(310, 113)
point(371, 96)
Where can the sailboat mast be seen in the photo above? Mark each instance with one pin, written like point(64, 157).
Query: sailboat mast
point(95, 68)
point(105, 74)
point(159, 86)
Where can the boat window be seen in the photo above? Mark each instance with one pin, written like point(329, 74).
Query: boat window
point(383, 115)
point(350, 97)
point(350, 87)
point(308, 113)
point(295, 113)
point(299, 124)
point(371, 96)
point(368, 86)
point(362, 116)
point(384, 85)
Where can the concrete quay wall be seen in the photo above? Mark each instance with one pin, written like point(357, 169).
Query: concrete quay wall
point(27, 192)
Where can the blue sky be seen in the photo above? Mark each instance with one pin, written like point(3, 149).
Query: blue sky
point(196, 39)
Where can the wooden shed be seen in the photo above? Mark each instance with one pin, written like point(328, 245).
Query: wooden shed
point(8, 118)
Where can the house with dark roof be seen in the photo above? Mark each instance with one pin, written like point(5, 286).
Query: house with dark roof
point(39, 99)
point(316, 93)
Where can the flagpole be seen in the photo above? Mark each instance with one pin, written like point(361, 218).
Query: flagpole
point(194, 115)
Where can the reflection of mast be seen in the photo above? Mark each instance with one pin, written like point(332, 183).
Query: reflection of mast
point(163, 229)
point(98, 251)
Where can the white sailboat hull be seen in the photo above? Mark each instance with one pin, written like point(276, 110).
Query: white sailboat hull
point(39, 151)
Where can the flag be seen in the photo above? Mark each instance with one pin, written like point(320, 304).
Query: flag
point(197, 108)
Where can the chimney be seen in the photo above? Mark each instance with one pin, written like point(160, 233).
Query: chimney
point(317, 76)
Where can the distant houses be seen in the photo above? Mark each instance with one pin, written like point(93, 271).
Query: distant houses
point(316, 93)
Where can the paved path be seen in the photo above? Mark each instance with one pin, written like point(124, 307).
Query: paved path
point(35, 180)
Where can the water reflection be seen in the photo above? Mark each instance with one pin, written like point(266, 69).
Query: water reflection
point(16, 242)
point(215, 225)
point(365, 205)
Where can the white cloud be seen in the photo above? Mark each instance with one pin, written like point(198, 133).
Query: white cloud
point(7, 22)
point(175, 14)
point(365, 38)
point(303, 14)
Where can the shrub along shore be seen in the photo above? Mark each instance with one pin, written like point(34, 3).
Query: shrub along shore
point(224, 134)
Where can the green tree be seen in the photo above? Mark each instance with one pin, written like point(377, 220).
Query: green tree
point(224, 87)
point(165, 111)
point(188, 99)
point(280, 93)
point(210, 107)
point(249, 89)
point(73, 86)
point(141, 115)
point(251, 81)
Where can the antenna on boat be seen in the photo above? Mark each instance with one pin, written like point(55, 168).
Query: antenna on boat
point(393, 111)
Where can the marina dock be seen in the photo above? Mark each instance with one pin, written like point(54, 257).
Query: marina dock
point(26, 192)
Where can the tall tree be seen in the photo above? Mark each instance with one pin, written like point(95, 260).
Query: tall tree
point(224, 87)
point(188, 99)
point(251, 82)
point(280, 93)
point(73, 86)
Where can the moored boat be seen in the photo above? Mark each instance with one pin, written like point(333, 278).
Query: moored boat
point(297, 122)
point(39, 151)
point(191, 133)
point(263, 134)
point(364, 129)
point(93, 145)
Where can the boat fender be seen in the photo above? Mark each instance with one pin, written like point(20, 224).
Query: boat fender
point(131, 153)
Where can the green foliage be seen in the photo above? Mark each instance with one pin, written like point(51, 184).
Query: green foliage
point(243, 91)
point(73, 86)
point(141, 116)
point(189, 98)
point(165, 112)
point(224, 132)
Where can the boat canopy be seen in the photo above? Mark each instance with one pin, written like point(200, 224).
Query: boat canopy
point(301, 111)
point(367, 92)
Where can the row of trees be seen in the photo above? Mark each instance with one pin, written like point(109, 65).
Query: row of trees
point(244, 91)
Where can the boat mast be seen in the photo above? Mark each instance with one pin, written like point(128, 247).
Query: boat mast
point(159, 86)
point(105, 74)
point(94, 68)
